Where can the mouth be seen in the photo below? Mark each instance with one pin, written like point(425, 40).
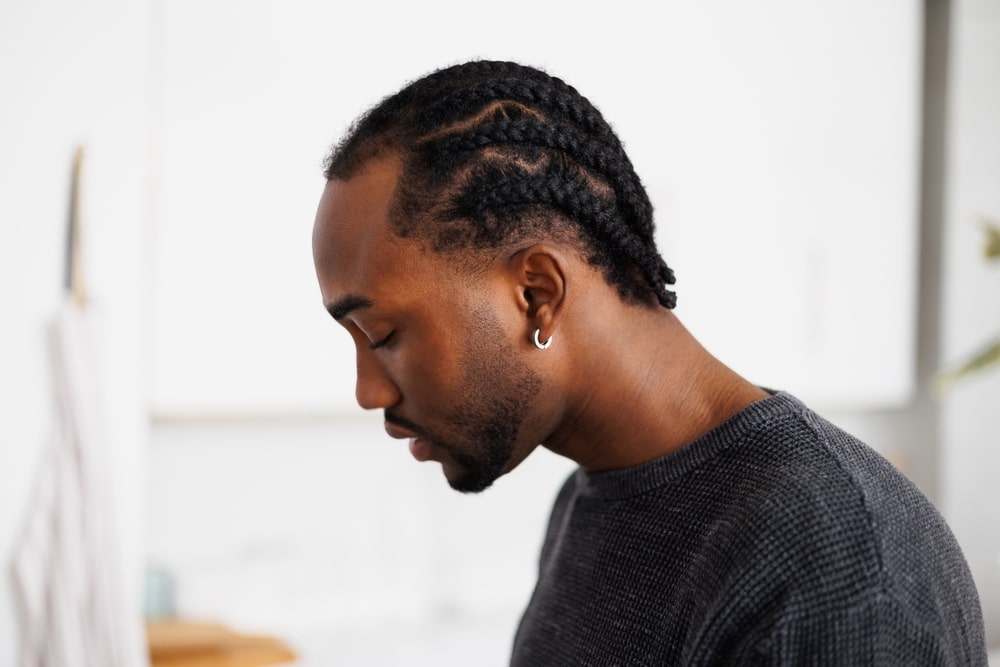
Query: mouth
point(398, 432)
point(420, 447)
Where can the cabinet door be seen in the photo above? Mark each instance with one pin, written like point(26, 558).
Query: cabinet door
point(779, 141)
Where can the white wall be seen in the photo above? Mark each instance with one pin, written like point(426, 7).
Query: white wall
point(970, 437)
point(770, 135)
point(71, 73)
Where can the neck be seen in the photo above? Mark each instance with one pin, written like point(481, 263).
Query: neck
point(663, 391)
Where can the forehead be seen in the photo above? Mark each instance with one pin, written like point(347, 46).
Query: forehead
point(353, 213)
point(354, 249)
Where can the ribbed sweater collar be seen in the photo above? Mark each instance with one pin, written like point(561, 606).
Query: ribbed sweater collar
point(618, 484)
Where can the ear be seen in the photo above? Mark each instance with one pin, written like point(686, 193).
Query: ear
point(539, 276)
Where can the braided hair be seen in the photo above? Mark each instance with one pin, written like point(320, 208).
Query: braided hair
point(495, 153)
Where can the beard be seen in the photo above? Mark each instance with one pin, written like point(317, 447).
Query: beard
point(480, 433)
point(490, 422)
point(497, 389)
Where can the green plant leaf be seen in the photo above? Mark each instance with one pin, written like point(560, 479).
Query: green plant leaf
point(988, 356)
point(992, 239)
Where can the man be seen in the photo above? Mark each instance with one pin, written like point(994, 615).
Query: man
point(485, 240)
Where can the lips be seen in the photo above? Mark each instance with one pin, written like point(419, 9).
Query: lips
point(420, 448)
point(398, 432)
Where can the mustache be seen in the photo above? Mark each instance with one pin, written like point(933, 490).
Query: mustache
point(393, 418)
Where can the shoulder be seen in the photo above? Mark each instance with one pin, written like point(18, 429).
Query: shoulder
point(832, 499)
point(850, 542)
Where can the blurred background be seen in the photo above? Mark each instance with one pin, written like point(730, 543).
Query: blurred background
point(821, 173)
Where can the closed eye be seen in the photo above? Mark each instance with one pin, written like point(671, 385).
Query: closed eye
point(382, 343)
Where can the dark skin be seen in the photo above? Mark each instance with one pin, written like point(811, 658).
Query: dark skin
point(622, 384)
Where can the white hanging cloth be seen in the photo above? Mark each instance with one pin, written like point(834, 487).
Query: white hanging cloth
point(67, 565)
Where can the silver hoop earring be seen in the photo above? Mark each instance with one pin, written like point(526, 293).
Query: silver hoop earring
point(540, 345)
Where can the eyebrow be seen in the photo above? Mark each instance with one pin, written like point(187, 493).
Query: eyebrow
point(345, 306)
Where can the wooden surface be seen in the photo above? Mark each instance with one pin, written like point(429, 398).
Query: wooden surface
point(189, 644)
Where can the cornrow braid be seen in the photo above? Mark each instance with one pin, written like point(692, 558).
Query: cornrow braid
point(496, 153)
point(559, 99)
point(492, 199)
point(594, 154)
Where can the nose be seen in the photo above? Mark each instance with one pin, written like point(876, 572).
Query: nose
point(374, 389)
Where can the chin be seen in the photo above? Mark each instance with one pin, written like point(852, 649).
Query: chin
point(464, 485)
point(469, 483)
point(466, 481)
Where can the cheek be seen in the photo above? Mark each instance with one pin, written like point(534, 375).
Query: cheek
point(429, 376)
point(441, 347)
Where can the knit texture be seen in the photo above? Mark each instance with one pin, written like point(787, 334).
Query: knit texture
point(776, 539)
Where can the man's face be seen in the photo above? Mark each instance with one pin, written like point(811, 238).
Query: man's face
point(433, 349)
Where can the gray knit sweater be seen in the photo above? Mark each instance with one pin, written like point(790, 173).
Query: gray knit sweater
point(776, 539)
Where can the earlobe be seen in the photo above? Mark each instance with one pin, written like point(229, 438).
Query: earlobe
point(538, 343)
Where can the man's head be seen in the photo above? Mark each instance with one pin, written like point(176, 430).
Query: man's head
point(496, 153)
point(455, 215)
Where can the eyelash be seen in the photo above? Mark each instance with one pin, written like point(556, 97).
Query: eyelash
point(381, 343)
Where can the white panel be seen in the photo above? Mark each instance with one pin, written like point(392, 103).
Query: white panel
point(786, 171)
point(778, 139)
